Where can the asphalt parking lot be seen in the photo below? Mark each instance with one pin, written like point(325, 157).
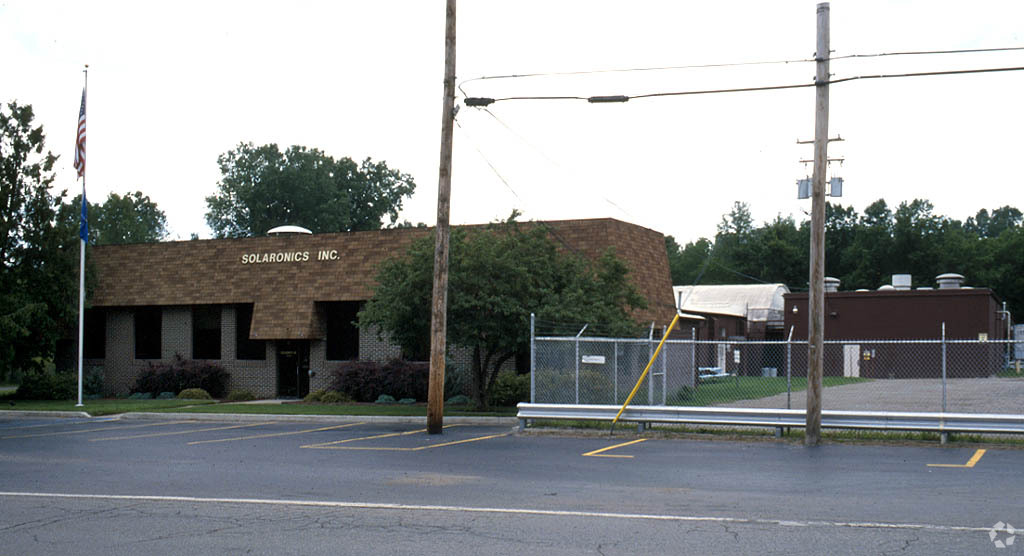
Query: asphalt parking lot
point(185, 486)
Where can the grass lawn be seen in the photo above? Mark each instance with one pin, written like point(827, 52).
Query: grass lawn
point(99, 407)
point(115, 406)
point(726, 390)
point(1011, 372)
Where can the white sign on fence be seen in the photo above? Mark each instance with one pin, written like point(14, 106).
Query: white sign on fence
point(596, 359)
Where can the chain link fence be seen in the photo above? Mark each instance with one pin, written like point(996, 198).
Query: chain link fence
point(965, 376)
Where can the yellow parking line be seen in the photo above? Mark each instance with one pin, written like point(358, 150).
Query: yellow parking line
point(327, 445)
point(272, 434)
point(599, 453)
point(416, 449)
point(443, 444)
point(98, 430)
point(970, 463)
point(178, 432)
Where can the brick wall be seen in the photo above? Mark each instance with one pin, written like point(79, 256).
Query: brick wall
point(322, 267)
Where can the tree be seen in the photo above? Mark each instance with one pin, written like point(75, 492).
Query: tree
point(261, 188)
point(868, 256)
point(738, 221)
point(38, 257)
point(691, 260)
point(133, 218)
point(498, 276)
point(1001, 219)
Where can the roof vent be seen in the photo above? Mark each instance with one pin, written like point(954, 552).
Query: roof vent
point(831, 284)
point(887, 287)
point(950, 281)
point(901, 281)
point(286, 230)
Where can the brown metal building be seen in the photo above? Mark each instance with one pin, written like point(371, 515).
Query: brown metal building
point(854, 318)
point(269, 309)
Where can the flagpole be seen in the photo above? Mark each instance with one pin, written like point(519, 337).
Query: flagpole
point(81, 269)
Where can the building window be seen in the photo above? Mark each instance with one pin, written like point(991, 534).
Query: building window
point(342, 334)
point(95, 334)
point(206, 332)
point(147, 333)
point(244, 347)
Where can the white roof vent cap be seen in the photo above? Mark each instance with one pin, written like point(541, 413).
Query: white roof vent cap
point(901, 281)
point(950, 281)
point(831, 284)
point(284, 230)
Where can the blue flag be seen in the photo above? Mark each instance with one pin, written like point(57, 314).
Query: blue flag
point(83, 226)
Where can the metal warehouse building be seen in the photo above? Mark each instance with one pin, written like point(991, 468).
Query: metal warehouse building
point(271, 309)
point(859, 319)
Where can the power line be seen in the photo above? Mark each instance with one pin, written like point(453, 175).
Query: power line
point(545, 155)
point(630, 70)
point(485, 101)
point(922, 52)
point(924, 73)
point(486, 160)
point(734, 64)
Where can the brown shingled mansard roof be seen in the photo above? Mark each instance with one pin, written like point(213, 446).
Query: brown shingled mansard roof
point(284, 276)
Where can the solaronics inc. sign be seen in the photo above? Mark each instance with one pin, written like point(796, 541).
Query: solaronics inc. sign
point(289, 257)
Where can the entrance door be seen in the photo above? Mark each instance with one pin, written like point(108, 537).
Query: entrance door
point(851, 360)
point(292, 368)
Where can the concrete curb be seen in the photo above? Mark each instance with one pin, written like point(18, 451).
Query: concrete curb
point(28, 414)
point(385, 419)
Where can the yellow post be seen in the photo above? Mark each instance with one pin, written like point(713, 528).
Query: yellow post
point(646, 369)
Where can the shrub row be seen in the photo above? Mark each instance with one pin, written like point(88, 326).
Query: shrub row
point(60, 386)
point(46, 386)
point(181, 374)
point(509, 389)
point(365, 381)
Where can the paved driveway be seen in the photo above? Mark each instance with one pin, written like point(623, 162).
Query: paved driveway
point(963, 395)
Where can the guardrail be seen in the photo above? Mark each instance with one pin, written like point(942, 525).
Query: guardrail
point(778, 418)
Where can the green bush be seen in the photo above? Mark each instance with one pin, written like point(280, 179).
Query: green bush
point(141, 396)
point(46, 386)
point(92, 380)
point(194, 394)
point(384, 398)
point(681, 396)
point(165, 396)
point(510, 388)
point(365, 381)
point(181, 374)
point(314, 396)
point(333, 396)
point(240, 396)
point(596, 387)
point(456, 379)
point(460, 399)
point(407, 401)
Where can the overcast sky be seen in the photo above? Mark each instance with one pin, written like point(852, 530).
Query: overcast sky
point(173, 85)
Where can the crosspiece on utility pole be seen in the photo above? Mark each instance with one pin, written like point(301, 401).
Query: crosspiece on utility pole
point(811, 142)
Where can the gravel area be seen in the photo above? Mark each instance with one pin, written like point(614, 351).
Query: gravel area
point(966, 395)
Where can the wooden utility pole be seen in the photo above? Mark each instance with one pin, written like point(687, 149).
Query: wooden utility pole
point(439, 306)
point(816, 301)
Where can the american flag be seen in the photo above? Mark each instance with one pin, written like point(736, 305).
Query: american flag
point(80, 142)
